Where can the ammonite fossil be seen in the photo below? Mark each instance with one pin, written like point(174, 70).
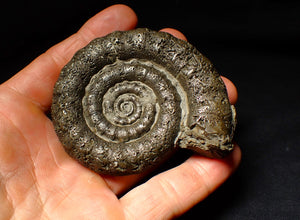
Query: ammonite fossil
point(126, 100)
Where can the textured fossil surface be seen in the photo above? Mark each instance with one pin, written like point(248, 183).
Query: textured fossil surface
point(126, 100)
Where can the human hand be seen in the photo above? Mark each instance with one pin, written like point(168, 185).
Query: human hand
point(38, 180)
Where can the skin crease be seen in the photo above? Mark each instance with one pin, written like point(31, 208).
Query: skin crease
point(38, 180)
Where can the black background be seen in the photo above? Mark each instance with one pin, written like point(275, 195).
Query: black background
point(253, 43)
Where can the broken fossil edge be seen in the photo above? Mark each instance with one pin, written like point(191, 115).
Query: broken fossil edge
point(190, 110)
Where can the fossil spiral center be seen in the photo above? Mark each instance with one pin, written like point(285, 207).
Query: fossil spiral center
point(126, 108)
point(116, 106)
point(127, 102)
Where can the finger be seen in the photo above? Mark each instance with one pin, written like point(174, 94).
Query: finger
point(175, 33)
point(231, 90)
point(36, 81)
point(173, 192)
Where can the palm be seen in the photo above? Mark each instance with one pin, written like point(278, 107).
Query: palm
point(39, 180)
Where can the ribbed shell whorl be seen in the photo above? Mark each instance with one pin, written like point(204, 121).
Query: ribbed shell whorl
point(126, 100)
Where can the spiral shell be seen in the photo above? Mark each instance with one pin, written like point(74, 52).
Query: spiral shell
point(126, 100)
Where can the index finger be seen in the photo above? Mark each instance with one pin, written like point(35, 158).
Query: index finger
point(36, 81)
